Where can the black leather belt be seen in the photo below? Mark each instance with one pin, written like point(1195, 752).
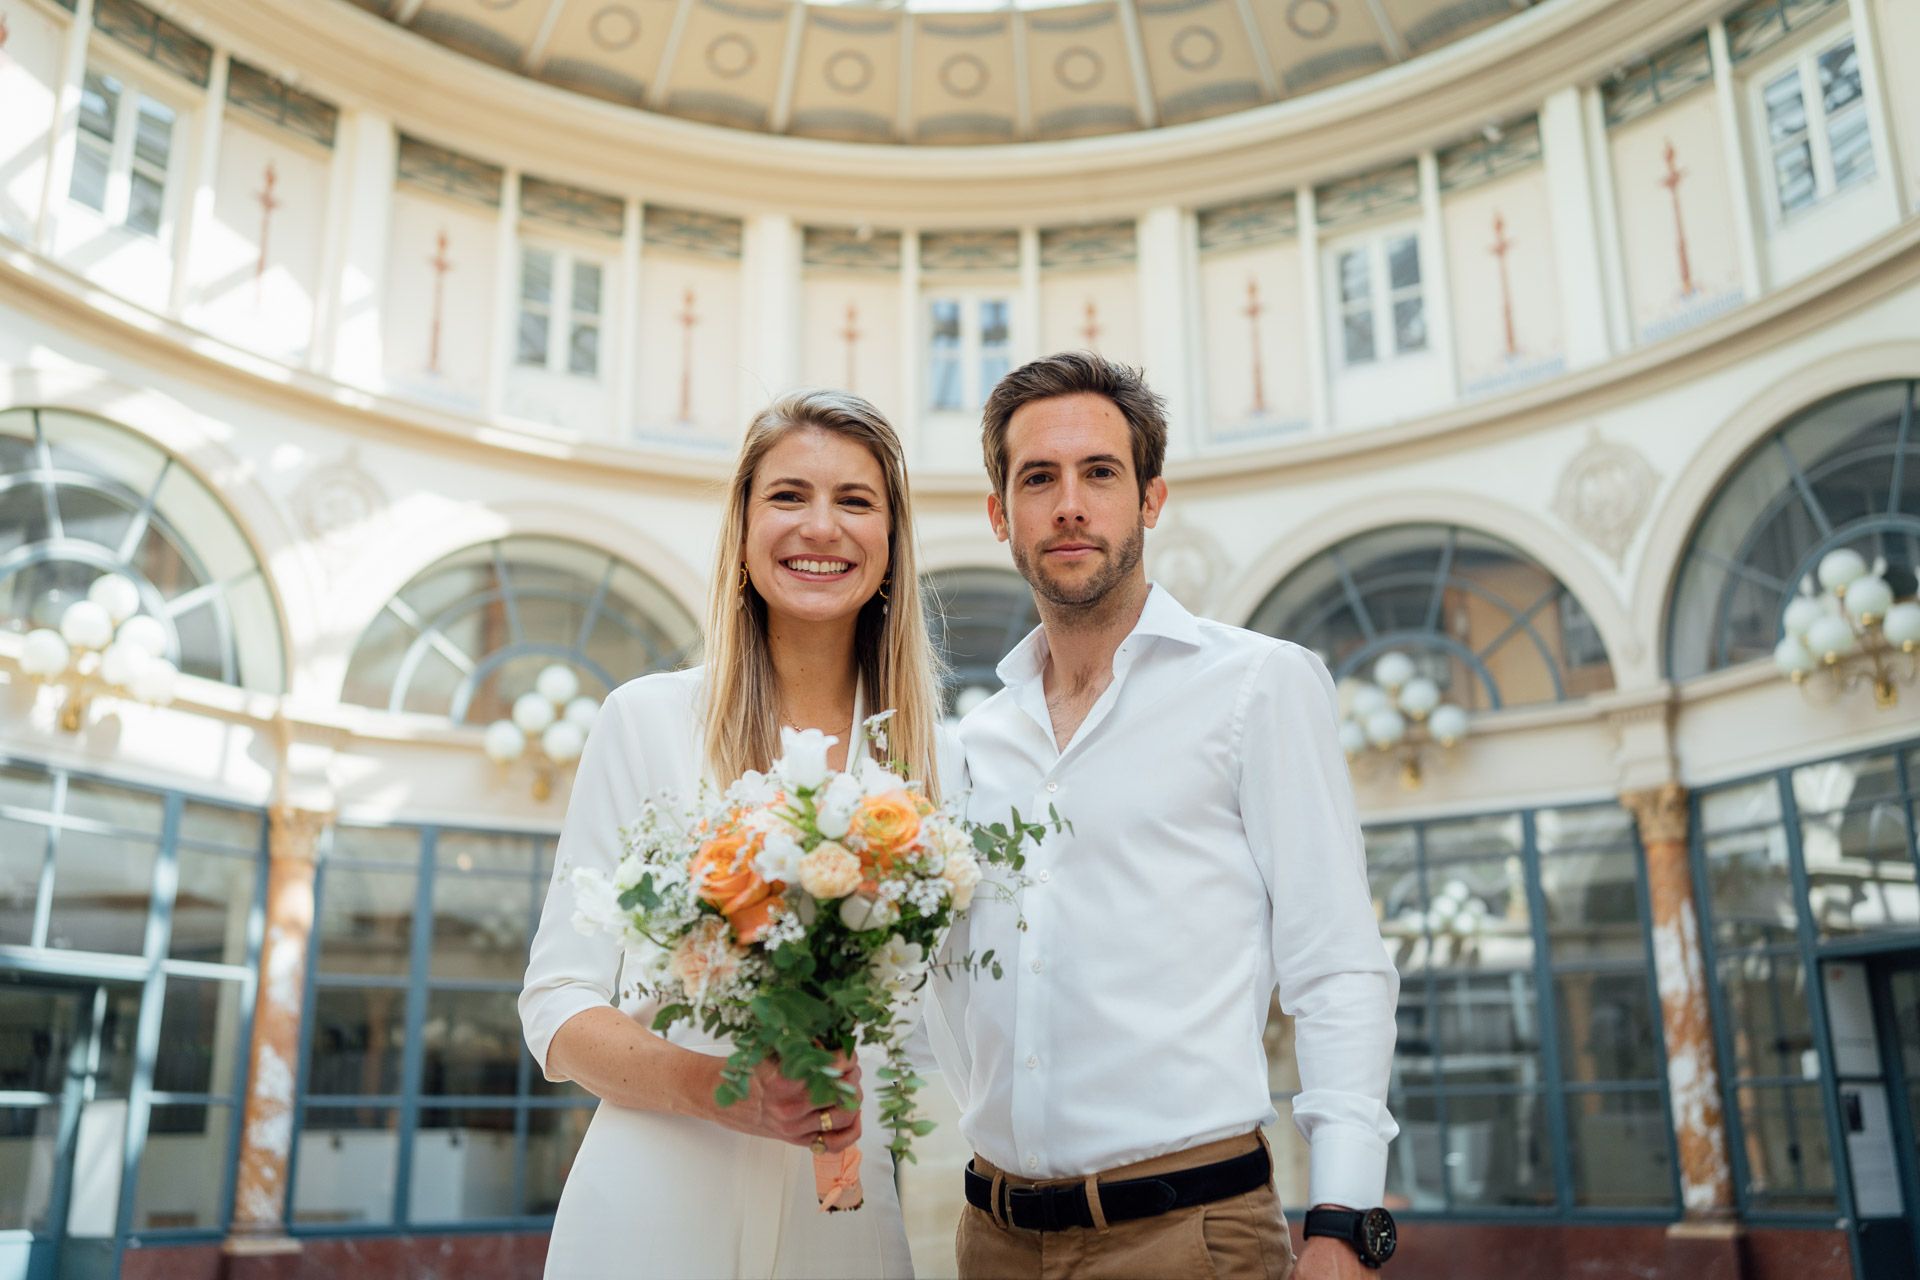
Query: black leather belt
point(1063, 1205)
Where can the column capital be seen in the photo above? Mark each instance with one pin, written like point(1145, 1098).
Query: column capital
point(1661, 813)
point(295, 833)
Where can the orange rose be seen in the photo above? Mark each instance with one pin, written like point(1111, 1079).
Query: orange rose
point(723, 870)
point(888, 823)
point(753, 920)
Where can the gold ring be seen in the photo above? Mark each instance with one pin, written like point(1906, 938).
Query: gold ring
point(819, 1146)
point(826, 1122)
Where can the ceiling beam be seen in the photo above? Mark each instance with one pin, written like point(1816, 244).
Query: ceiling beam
point(1022, 91)
point(903, 109)
point(1137, 57)
point(1396, 47)
point(1269, 82)
point(536, 55)
point(657, 91)
point(789, 68)
point(405, 11)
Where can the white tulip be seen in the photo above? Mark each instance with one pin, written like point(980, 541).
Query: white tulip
point(1419, 696)
point(121, 664)
point(504, 741)
point(1386, 727)
point(532, 713)
point(1869, 599)
point(803, 757)
point(1840, 568)
point(1353, 739)
point(145, 633)
point(1792, 658)
point(1901, 626)
point(557, 684)
point(1802, 612)
point(1830, 637)
point(154, 681)
point(582, 711)
point(1448, 723)
point(1393, 670)
point(563, 741)
point(86, 625)
point(45, 654)
point(117, 595)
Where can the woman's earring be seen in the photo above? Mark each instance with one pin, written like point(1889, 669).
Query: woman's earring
point(742, 586)
point(885, 603)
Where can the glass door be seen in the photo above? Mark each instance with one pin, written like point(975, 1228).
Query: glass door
point(1898, 1001)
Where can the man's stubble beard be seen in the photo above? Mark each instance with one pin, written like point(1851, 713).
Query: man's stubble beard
point(1089, 597)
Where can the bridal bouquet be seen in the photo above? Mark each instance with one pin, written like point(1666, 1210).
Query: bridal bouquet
point(797, 913)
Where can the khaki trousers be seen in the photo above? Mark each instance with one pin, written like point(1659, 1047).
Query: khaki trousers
point(1242, 1237)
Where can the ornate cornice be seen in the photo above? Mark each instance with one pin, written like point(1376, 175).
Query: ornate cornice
point(1661, 813)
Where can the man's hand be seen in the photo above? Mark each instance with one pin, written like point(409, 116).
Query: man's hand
point(1327, 1259)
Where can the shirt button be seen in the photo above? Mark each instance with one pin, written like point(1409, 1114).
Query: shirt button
point(1033, 1061)
point(1038, 965)
point(1045, 876)
point(1053, 786)
point(1033, 1162)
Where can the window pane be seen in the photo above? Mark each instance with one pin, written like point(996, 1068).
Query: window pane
point(532, 340)
point(1753, 804)
point(1403, 263)
point(23, 848)
point(144, 207)
point(1355, 274)
point(1409, 324)
point(1859, 870)
point(1851, 141)
point(1489, 1028)
point(1356, 330)
point(357, 1040)
point(89, 185)
point(366, 920)
point(183, 1168)
point(1789, 1165)
point(153, 135)
point(37, 1028)
point(1621, 1148)
point(1478, 914)
point(1839, 70)
point(1766, 1011)
point(1608, 1022)
point(1603, 824)
point(1793, 174)
point(346, 1162)
point(1750, 888)
point(1472, 837)
point(238, 829)
point(553, 1138)
point(200, 1043)
point(943, 354)
point(1786, 110)
point(212, 907)
point(471, 1043)
point(31, 1136)
point(583, 350)
point(536, 276)
point(1498, 1150)
point(1593, 906)
point(462, 1166)
point(1415, 1168)
point(486, 851)
point(993, 322)
point(102, 887)
point(139, 811)
point(480, 926)
point(586, 289)
point(99, 105)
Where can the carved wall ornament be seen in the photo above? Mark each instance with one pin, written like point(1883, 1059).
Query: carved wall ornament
point(1186, 560)
point(338, 504)
point(1605, 493)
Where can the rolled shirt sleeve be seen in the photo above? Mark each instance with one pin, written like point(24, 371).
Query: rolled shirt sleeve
point(568, 971)
point(1335, 976)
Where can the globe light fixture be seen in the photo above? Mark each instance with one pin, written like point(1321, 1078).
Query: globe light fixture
point(104, 647)
point(1398, 715)
point(1848, 623)
point(548, 725)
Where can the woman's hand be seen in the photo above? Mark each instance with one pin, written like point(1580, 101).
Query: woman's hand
point(778, 1108)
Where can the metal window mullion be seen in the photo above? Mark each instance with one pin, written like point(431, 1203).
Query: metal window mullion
point(119, 192)
point(152, 1006)
point(1897, 1084)
point(49, 496)
point(1432, 1005)
point(1547, 1013)
point(1816, 116)
point(43, 902)
point(1901, 441)
point(413, 1055)
point(559, 318)
point(1441, 576)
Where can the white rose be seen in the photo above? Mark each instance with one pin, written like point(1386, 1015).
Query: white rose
point(861, 914)
point(834, 807)
point(779, 856)
point(875, 780)
point(628, 873)
point(961, 872)
point(803, 757)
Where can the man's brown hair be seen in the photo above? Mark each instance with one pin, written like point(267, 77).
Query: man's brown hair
point(1073, 373)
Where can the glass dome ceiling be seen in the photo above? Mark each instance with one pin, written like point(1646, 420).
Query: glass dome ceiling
point(944, 72)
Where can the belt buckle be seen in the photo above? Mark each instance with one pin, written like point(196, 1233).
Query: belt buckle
point(1036, 1197)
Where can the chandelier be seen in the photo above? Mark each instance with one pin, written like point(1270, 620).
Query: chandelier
point(1399, 716)
point(104, 648)
point(548, 726)
point(1851, 628)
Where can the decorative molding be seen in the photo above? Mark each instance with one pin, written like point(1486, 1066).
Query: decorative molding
point(295, 833)
point(1605, 493)
point(1661, 813)
point(339, 505)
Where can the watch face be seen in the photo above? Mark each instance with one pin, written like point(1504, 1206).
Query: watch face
point(1378, 1235)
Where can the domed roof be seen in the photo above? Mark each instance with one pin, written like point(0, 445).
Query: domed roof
point(947, 72)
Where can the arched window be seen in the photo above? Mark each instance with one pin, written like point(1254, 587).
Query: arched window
point(470, 634)
point(976, 616)
point(80, 498)
point(1486, 622)
point(1844, 473)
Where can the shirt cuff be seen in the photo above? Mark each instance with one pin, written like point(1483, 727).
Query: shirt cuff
point(1347, 1167)
point(555, 1009)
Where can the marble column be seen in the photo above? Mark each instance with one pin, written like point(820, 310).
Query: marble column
point(260, 1194)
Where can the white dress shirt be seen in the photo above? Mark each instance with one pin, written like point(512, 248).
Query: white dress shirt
point(1215, 852)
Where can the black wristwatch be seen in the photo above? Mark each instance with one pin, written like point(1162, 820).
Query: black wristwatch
point(1370, 1231)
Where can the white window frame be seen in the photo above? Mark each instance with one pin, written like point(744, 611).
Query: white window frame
point(1382, 297)
point(973, 301)
point(121, 160)
point(563, 320)
point(1804, 62)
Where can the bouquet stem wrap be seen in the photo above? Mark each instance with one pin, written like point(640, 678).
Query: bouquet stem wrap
point(836, 1180)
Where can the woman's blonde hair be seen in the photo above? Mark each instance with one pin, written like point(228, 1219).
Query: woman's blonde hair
point(896, 663)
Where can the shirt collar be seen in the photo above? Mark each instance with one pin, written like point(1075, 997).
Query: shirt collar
point(1162, 616)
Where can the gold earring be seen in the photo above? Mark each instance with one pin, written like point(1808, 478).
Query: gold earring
point(742, 586)
point(884, 583)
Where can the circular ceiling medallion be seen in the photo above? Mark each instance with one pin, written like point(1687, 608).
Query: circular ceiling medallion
point(614, 28)
point(1078, 68)
point(963, 75)
point(1311, 19)
point(849, 71)
point(729, 57)
point(1196, 48)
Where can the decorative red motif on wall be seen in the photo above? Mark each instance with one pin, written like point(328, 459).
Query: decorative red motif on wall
point(441, 264)
point(688, 319)
point(851, 336)
point(1252, 312)
point(1671, 180)
point(268, 203)
point(1500, 247)
point(1090, 330)
point(4, 33)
